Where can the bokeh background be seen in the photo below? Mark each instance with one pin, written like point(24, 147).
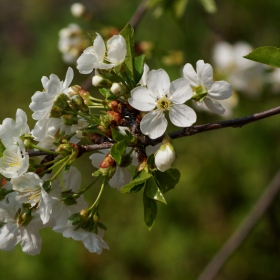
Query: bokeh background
point(223, 172)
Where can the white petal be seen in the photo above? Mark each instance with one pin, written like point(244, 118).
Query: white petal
point(142, 99)
point(99, 47)
point(205, 73)
point(153, 124)
point(9, 237)
point(86, 63)
point(68, 78)
point(116, 49)
point(158, 82)
point(213, 105)
point(220, 90)
point(182, 115)
point(180, 91)
point(120, 178)
point(31, 242)
point(190, 75)
point(97, 157)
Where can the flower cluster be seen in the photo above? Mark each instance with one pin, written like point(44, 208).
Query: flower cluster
point(40, 187)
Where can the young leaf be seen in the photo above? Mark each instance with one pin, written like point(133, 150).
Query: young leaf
point(128, 33)
point(117, 136)
point(117, 150)
point(266, 55)
point(152, 190)
point(139, 67)
point(150, 211)
point(209, 5)
point(151, 159)
point(140, 178)
point(107, 94)
point(167, 180)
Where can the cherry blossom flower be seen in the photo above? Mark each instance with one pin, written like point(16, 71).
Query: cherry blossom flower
point(29, 188)
point(204, 88)
point(16, 230)
point(161, 96)
point(92, 241)
point(42, 103)
point(60, 210)
point(95, 56)
point(244, 75)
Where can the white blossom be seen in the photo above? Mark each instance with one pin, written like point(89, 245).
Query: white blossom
point(161, 96)
point(61, 211)
point(92, 241)
point(96, 56)
point(205, 88)
point(29, 188)
point(42, 103)
point(78, 9)
point(13, 231)
point(244, 75)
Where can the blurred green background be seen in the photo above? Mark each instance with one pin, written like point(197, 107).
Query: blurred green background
point(223, 172)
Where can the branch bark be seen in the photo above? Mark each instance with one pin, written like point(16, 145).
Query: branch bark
point(185, 132)
point(243, 231)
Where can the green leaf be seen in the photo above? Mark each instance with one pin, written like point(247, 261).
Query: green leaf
point(150, 211)
point(167, 180)
point(209, 5)
point(151, 159)
point(152, 190)
point(2, 148)
point(266, 55)
point(117, 150)
point(140, 178)
point(139, 67)
point(179, 7)
point(117, 136)
point(128, 33)
point(107, 94)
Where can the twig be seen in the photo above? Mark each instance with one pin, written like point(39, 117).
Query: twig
point(185, 132)
point(244, 229)
point(142, 8)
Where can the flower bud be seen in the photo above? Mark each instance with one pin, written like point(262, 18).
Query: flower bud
point(108, 166)
point(165, 156)
point(101, 82)
point(61, 100)
point(78, 10)
point(74, 90)
point(117, 89)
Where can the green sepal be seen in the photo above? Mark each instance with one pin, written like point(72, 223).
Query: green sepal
point(2, 148)
point(100, 225)
point(47, 185)
point(266, 55)
point(152, 190)
point(139, 67)
point(117, 151)
point(96, 173)
point(128, 33)
point(107, 94)
point(209, 5)
point(167, 180)
point(150, 211)
point(138, 180)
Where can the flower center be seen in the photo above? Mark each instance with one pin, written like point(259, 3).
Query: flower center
point(199, 93)
point(164, 104)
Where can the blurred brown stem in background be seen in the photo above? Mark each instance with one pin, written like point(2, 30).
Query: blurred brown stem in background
point(243, 231)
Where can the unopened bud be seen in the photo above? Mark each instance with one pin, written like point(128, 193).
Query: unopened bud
point(78, 10)
point(99, 81)
point(74, 90)
point(117, 89)
point(108, 166)
point(165, 156)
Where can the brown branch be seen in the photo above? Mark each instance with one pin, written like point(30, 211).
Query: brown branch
point(242, 232)
point(142, 8)
point(185, 132)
